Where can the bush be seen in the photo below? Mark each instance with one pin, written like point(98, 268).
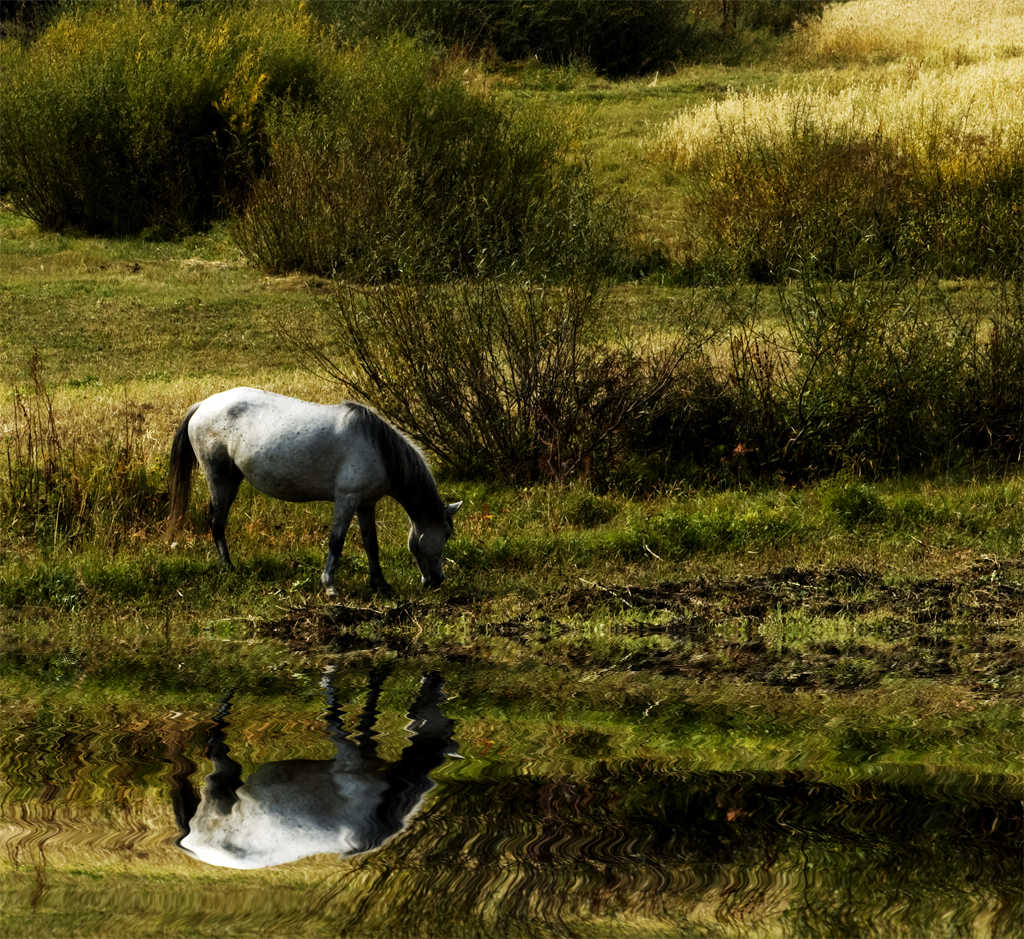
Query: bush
point(995, 392)
point(870, 376)
point(873, 374)
point(497, 380)
point(617, 37)
point(403, 173)
point(842, 204)
point(146, 116)
point(24, 19)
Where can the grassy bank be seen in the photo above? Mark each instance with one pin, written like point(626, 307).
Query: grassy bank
point(895, 600)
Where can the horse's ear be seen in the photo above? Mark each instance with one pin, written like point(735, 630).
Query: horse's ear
point(453, 507)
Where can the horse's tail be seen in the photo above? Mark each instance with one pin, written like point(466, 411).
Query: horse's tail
point(183, 461)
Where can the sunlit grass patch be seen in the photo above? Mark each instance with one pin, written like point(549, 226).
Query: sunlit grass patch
point(934, 31)
point(851, 170)
point(957, 118)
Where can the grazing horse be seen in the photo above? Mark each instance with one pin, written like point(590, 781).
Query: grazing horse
point(291, 809)
point(302, 452)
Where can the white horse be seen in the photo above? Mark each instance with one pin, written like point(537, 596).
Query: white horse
point(301, 451)
point(291, 809)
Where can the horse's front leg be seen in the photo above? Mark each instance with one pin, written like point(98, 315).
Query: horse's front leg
point(368, 532)
point(344, 509)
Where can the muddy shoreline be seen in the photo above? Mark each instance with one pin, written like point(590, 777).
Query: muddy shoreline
point(764, 628)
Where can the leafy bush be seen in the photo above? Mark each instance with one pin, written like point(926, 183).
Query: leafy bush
point(843, 203)
point(146, 116)
point(497, 380)
point(872, 374)
point(23, 19)
point(876, 374)
point(869, 376)
point(995, 416)
point(403, 172)
point(616, 37)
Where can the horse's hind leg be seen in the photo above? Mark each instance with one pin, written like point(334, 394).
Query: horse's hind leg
point(223, 478)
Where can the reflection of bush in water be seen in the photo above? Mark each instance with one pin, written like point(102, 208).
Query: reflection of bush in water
point(760, 847)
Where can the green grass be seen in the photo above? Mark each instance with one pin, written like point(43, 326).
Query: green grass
point(612, 121)
point(113, 312)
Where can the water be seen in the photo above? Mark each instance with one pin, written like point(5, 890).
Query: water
point(362, 808)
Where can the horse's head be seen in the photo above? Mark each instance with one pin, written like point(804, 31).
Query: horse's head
point(427, 546)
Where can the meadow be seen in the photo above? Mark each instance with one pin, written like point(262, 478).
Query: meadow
point(805, 552)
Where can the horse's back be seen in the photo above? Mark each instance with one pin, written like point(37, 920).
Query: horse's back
point(286, 447)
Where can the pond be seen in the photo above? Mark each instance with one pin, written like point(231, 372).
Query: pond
point(403, 802)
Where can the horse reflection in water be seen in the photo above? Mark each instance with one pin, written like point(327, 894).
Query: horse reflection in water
point(293, 809)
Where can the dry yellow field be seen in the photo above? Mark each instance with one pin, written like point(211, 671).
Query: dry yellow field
point(932, 31)
point(960, 115)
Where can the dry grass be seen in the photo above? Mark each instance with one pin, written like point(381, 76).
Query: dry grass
point(936, 32)
point(951, 117)
point(952, 86)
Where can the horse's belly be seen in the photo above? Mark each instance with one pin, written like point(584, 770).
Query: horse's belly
point(291, 478)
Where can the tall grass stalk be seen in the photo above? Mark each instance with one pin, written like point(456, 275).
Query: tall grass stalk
point(62, 485)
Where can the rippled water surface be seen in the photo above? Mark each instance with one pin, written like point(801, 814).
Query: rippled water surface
point(390, 805)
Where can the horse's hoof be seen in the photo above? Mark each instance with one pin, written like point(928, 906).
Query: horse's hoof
point(332, 592)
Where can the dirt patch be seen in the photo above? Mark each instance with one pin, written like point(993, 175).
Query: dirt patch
point(334, 625)
point(987, 593)
point(965, 628)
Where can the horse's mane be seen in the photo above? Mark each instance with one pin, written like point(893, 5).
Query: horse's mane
point(412, 483)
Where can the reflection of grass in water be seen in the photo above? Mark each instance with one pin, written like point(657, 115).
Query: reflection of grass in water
point(605, 849)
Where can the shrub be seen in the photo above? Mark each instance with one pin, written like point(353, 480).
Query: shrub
point(995, 416)
point(23, 19)
point(617, 37)
point(146, 116)
point(502, 380)
point(869, 376)
point(405, 173)
point(873, 374)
